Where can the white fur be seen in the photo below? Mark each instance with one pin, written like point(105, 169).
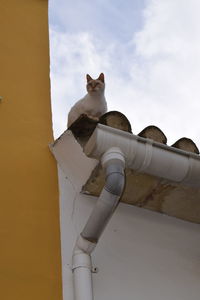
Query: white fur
point(93, 104)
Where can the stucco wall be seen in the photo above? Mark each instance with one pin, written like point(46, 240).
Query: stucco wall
point(30, 265)
point(141, 255)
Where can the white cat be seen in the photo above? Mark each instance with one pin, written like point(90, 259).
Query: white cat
point(93, 104)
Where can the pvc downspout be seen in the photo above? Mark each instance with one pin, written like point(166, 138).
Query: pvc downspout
point(113, 163)
point(142, 155)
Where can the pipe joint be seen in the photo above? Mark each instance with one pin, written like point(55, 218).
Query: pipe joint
point(83, 245)
point(113, 156)
point(81, 260)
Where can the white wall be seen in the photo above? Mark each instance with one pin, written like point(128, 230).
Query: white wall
point(142, 255)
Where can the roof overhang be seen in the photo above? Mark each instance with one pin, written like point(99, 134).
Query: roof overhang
point(158, 177)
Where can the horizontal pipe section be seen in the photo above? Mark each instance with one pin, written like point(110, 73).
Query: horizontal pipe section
point(146, 156)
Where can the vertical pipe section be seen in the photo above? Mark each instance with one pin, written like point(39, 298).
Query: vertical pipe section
point(113, 162)
point(82, 272)
point(83, 284)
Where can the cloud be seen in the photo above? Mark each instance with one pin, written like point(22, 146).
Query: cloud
point(153, 78)
point(167, 58)
point(105, 19)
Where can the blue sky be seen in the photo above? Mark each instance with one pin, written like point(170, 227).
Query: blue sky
point(149, 51)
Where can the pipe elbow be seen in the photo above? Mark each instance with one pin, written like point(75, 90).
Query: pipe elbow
point(115, 183)
point(114, 163)
point(83, 245)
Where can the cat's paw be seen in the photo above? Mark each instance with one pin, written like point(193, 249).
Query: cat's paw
point(93, 118)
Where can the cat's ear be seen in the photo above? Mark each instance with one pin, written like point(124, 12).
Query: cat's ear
point(89, 78)
point(101, 77)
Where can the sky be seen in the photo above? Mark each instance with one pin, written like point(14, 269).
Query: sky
point(149, 51)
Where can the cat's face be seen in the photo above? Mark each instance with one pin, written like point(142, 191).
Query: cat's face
point(95, 85)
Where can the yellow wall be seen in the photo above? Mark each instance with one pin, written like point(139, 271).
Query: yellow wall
point(30, 266)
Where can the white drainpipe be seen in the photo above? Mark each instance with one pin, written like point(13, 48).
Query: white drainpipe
point(113, 162)
point(114, 147)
